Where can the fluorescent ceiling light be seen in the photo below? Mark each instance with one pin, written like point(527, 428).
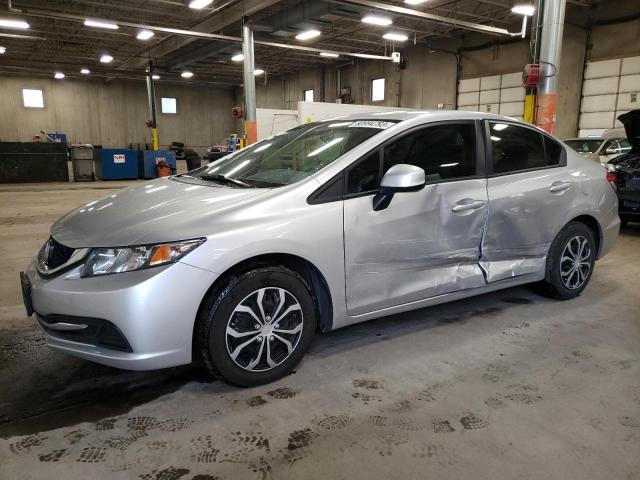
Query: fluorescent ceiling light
point(186, 74)
point(85, 71)
point(258, 71)
point(238, 57)
point(308, 35)
point(377, 20)
point(526, 10)
point(500, 126)
point(396, 37)
point(155, 77)
point(145, 35)
point(106, 58)
point(414, 2)
point(90, 22)
point(58, 75)
point(11, 23)
point(329, 54)
point(2, 50)
point(199, 4)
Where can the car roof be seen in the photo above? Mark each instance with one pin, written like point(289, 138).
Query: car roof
point(433, 115)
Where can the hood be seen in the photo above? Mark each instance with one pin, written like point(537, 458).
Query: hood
point(631, 122)
point(167, 209)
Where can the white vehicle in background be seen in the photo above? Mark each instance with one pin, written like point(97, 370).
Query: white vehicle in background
point(604, 148)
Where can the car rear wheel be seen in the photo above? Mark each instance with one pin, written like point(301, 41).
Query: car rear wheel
point(257, 327)
point(570, 261)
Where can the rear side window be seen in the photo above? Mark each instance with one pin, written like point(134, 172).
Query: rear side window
point(553, 150)
point(515, 148)
point(444, 151)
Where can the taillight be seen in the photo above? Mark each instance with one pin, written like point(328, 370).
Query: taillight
point(612, 179)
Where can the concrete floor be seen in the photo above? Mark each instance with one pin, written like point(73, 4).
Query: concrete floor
point(502, 386)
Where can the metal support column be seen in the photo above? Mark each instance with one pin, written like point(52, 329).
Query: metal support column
point(151, 95)
point(251, 128)
point(550, 48)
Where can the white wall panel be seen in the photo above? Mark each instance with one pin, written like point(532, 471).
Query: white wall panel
point(599, 103)
point(490, 96)
point(515, 94)
point(630, 65)
point(468, 108)
point(490, 107)
point(471, 98)
point(628, 101)
point(512, 109)
point(629, 83)
point(512, 80)
point(605, 68)
point(490, 83)
point(596, 120)
point(469, 85)
point(600, 86)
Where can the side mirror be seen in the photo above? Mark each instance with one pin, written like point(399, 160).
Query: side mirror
point(399, 178)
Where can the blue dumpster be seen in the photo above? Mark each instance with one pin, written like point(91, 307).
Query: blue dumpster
point(149, 159)
point(115, 164)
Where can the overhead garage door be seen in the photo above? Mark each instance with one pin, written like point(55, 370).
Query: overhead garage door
point(501, 94)
point(609, 88)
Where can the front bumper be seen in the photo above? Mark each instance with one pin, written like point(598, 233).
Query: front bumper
point(153, 309)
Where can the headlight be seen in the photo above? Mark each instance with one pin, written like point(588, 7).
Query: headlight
point(103, 261)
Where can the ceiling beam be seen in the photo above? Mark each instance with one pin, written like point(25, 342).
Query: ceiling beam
point(478, 27)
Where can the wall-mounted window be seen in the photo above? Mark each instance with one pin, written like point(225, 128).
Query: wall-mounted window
point(32, 98)
point(377, 89)
point(169, 105)
point(308, 95)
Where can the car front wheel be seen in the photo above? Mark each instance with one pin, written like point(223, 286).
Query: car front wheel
point(256, 328)
point(570, 261)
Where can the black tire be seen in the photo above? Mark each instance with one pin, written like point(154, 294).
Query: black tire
point(554, 285)
point(211, 339)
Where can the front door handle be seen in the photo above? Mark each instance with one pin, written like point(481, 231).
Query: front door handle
point(556, 187)
point(467, 204)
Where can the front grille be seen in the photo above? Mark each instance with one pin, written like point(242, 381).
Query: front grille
point(54, 254)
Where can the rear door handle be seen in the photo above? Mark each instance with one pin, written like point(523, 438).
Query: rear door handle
point(467, 204)
point(556, 187)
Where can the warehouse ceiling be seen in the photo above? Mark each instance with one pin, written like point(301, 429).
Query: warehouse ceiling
point(58, 39)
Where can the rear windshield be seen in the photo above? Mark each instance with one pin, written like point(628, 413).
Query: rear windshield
point(584, 145)
point(293, 155)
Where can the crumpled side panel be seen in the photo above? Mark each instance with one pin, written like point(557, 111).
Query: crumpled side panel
point(503, 269)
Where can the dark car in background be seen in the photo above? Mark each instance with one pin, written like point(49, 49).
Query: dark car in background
point(624, 170)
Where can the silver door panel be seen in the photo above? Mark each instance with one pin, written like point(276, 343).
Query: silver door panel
point(416, 248)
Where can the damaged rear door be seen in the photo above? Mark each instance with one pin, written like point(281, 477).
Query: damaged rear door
point(426, 243)
point(530, 190)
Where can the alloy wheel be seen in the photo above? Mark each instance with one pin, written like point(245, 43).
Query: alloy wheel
point(264, 329)
point(575, 262)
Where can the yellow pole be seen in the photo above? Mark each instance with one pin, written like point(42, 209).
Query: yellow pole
point(154, 135)
point(530, 107)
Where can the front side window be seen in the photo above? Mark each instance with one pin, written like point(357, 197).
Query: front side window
point(364, 176)
point(444, 152)
point(291, 156)
point(515, 148)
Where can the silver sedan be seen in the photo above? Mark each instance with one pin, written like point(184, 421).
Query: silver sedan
point(237, 264)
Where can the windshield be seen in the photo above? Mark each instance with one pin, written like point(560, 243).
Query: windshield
point(584, 145)
point(290, 156)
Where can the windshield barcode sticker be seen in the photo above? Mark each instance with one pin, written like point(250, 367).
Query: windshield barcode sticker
point(371, 124)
